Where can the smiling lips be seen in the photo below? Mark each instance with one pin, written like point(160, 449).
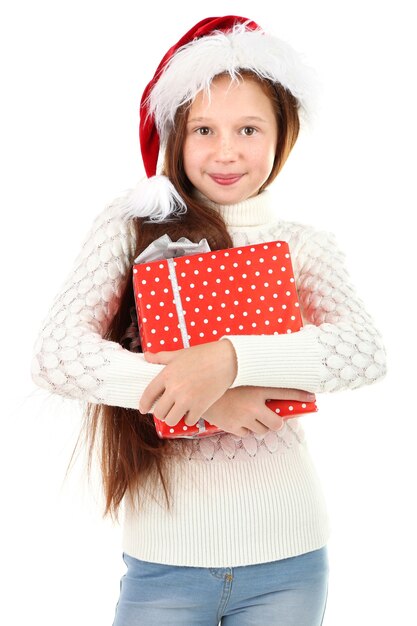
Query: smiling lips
point(225, 179)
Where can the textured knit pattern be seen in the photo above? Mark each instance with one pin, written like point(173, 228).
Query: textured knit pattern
point(236, 500)
point(351, 349)
point(72, 359)
point(223, 447)
point(354, 353)
point(70, 351)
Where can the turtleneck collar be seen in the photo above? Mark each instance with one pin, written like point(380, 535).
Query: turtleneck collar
point(256, 211)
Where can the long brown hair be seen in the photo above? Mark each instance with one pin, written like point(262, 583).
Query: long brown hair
point(130, 451)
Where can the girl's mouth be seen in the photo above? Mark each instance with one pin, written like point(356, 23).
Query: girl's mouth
point(225, 179)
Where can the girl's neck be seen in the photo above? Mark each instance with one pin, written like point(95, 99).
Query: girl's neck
point(255, 211)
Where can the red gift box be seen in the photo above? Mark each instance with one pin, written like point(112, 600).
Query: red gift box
point(198, 298)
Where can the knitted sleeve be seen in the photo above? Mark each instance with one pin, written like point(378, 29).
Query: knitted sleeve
point(339, 346)
point(71, 358)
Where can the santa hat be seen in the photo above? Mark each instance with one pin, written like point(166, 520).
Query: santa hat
point(213, 46)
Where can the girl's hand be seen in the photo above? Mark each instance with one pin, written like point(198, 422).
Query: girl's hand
point(242, 409)
point(193, 379)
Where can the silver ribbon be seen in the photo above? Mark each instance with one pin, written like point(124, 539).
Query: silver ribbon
point(178, 303)
point(165, 248)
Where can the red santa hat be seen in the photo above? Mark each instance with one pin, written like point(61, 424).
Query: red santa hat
point(213, 46)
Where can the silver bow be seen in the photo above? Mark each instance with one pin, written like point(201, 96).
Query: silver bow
point(165, 248)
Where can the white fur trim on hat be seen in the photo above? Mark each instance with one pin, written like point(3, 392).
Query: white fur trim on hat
point(155, 198)
point(193, 67)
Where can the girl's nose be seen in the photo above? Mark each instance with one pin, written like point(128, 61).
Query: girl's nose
point(226, 149)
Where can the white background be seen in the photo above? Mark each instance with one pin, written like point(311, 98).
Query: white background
point(72, 77)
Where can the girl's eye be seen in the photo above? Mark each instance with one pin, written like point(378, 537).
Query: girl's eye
point(204, 130)
point(248, 131)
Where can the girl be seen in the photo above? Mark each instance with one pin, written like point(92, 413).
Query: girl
point(231, 527)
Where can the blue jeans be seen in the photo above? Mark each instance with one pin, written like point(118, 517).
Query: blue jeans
point(288, 592)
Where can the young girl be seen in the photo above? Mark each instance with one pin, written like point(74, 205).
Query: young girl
point(230, 527)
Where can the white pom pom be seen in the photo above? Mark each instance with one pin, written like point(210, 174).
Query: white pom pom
point(155, 198)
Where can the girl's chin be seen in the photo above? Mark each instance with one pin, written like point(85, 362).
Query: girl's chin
point(227, 195)
point(228, 198)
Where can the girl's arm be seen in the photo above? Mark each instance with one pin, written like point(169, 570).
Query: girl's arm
point(71, 358)
point(242, 410)
point(339, 346)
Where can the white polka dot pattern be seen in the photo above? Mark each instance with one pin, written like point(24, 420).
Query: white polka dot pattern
point(72, 359)
point(197, 299)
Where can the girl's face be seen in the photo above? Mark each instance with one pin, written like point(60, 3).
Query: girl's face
point(230, 141)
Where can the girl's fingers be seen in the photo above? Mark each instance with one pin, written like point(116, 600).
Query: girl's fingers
point(155, 389)
point(259, 427)
point(189, 421)
point(275, 393)
point(263, 415)
point(162, 408)
point(271, 420)
point(163, 358)
point(176, 413)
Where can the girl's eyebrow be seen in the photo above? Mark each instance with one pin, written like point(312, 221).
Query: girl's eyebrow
point(241, 120)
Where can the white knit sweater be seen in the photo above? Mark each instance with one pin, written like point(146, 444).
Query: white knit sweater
point(236, 501)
